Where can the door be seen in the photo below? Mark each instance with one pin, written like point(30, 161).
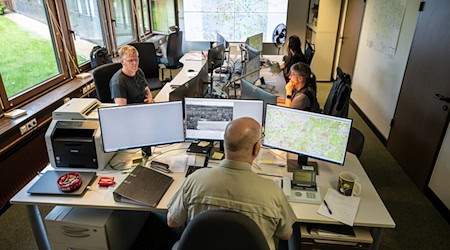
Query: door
point(420, 119)
point(350, 35)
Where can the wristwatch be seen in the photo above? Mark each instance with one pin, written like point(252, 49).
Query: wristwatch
point(289, 96)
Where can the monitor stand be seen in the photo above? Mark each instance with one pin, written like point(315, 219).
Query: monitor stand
point(302, 163)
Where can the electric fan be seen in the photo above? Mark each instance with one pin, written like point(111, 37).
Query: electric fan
point(279, 36)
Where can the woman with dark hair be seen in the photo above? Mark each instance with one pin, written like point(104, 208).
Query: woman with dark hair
point(301, 89)
point(295, 55)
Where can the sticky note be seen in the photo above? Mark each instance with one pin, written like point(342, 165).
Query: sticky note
point(203, 144)
point(217, 155)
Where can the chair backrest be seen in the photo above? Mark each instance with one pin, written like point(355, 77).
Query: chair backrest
point(148, 61)
point(102, 75)
point(356, 142)
point(222, 229)
point(174, 47)
point(309, 53)
point(338, 99)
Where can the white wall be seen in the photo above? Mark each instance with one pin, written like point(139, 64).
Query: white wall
point(377, 78)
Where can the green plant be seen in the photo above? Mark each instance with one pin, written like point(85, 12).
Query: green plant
point(2, 9)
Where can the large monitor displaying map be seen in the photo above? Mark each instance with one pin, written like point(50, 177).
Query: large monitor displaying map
point(310, 134)
point(235, 20)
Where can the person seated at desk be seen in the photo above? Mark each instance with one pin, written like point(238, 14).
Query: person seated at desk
point(233, 185)
point(294, 56)
point(301, 90)
point(128, 85)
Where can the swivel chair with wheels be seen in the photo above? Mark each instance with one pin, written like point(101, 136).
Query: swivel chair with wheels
point(356, 142)
point(221, 229)
point(309, 53)
point(102, 75)
point(148, 62)
point(174, 52)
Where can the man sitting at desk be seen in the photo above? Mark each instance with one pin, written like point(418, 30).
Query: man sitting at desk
point(301, 89)
point(233, 185)
point(128, 85)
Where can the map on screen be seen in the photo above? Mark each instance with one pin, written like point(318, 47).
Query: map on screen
point(234, 19)
point(316, 135)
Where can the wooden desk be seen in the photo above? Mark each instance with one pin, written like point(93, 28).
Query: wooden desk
point(371, 213)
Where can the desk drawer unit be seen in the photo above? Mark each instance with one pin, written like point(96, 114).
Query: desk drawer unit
point(86, 228)
point(311, 241)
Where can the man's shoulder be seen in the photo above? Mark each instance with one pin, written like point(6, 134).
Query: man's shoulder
point(115, 79)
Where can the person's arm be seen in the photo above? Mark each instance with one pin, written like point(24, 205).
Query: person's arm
point(171, 222)
point(286, 236)
point(148, 93)
point(300, 101)
point(289, 90)
point(120, 101)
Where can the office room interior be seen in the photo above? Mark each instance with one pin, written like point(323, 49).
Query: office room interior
point(396, 53)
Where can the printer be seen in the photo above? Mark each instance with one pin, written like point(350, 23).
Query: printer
point(73, 138)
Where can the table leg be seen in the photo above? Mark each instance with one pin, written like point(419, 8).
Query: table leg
point(37, 225)
point(376, 235)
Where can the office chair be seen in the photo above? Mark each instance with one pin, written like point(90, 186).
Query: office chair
point(356, 142)
point(174, 52)
point(221, 229)
point(338, 99)
point(309, 53)
point(148, 62)
point(102, 75)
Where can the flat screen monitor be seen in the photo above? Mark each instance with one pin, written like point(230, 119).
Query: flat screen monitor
point(206, 119)
point(256, 41)
point(221, 40)
point(305, 133)
point(195, 87)
point(135, 126)
point(216, 56)
point(252, 53)
point(251, 70)
point(252, 92)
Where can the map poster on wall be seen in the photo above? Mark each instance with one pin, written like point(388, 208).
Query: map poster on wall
point(385, 25)
point(235, 20)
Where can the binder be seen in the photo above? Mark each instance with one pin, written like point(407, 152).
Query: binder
point(143, 186)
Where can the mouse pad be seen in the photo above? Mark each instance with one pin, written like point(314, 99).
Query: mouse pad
point(47, 183)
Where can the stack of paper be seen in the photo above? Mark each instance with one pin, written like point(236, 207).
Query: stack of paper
point(339, 207)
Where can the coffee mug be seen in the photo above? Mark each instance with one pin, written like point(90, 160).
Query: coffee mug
point(348, 184)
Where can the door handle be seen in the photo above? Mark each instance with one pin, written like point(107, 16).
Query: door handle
point(442, 98)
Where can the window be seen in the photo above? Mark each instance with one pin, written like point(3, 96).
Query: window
point(47, 42)
point(163, 15)
point(31, 57)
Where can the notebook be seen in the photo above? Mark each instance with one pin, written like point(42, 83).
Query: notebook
point(143, 186)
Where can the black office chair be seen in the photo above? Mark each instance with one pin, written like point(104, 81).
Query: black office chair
point(309, 53)
point(356, 142)
point(102, 75)
point(174, 52)
point(148, 62)
point(338, 99)
point(221, 229)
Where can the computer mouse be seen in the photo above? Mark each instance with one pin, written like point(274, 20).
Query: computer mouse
point(191, 70)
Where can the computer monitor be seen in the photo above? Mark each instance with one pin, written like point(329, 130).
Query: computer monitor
point(135, 126)
point(221, 40)
point(307, 134)
point(252, 53)
point(256, 41)
point(215, 57)
point(206, 119)
point(252, 92)
point(251, 70)
point(195, 87)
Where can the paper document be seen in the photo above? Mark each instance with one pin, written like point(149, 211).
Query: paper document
point(195, 56)
point(271, 157)
point(339, 207)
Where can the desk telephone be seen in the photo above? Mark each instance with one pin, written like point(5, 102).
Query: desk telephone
point(299, 194)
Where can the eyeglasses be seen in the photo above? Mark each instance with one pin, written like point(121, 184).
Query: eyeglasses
point(132, 60)
point(261, 139)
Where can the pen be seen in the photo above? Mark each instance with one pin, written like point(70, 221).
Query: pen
point(326, 204)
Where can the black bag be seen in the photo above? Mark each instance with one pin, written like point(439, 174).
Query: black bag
point(99, 56)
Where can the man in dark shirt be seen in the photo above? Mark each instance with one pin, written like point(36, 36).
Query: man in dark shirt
point(128, 85)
